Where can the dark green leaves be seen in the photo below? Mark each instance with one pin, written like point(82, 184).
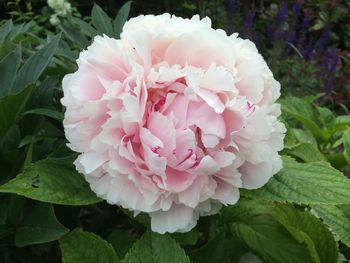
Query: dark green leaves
point(310, 183)
point(8, 69)
point(39, 226)
point(153, 247)
point(101, 21)
point(51, 182)
point(79, 246)
point(35, 65)
point(121, 18)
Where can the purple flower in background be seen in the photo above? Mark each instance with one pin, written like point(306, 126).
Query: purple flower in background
point(304, 28)
point(293, 25)
point(248, 25)
point(231, 7)
point(281, 19)
point(323, 40)
point(330, 62)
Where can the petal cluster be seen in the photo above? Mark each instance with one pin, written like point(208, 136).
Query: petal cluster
point(173, 118)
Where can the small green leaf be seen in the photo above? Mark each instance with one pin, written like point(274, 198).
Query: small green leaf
point(51, 182)
point(79, 246)
point(305, 183)
point(121, 18)
point(303, 112)
point(153, 247)
point(39, 226)
point(35, 65)
point(10, 107)
point(346, 142)
point(75, 36)
point(57, 115)
point(101, 21)
point(337, 218)
point(84, 26)
point(5, 29)
point(341, 123)
point(307, 152)
point(8, 69)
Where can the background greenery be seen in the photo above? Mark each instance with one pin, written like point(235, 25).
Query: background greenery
point(49, 214)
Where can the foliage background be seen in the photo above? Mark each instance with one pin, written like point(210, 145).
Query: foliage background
point(49, 214)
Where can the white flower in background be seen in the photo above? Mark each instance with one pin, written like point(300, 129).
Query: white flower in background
point(61, 8)
point(54, 20)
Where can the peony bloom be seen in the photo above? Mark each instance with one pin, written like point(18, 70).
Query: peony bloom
point(173, 119)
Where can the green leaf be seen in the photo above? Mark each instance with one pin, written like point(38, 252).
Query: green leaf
point(253, 223)
point(121, 18)
point(346, 142)
point(309, 183)
point(326, 116)
point(187, 238)
point(39, 226)
point(35, 65)
point(303, 112)
point(305, 136)
point(308, 229)
point(51, 182)
point(101, 21)
point(57, 115)
point(307, 152)
point(337, 218)
point(79, 246)
point(5, 29)
point(121, 241)
point(10, 107)
point(153, 247)
point(341, 123)
point(75, 36)
point(8, 69)
point(84, 26)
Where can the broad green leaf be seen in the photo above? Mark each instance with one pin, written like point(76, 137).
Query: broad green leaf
point(79, 246)
point(75, 36)
point(10, 107)
point(221, 249)
point(326, 116)
point(337, 218)
point(153, 247)
point(8, 69)
point(346, 142)
point(121, 18)
point(307, 152)
point(57, 115)
point(305, 183)
point(253, 223)
point(303, 112)
point(35, 65)
point(51, 182)
point(39, 226)
point(101, 21)
point(122, 241)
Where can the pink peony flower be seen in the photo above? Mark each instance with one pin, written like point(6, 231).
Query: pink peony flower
point(173, 119)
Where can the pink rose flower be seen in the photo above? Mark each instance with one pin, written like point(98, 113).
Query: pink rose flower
point(173, 119)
